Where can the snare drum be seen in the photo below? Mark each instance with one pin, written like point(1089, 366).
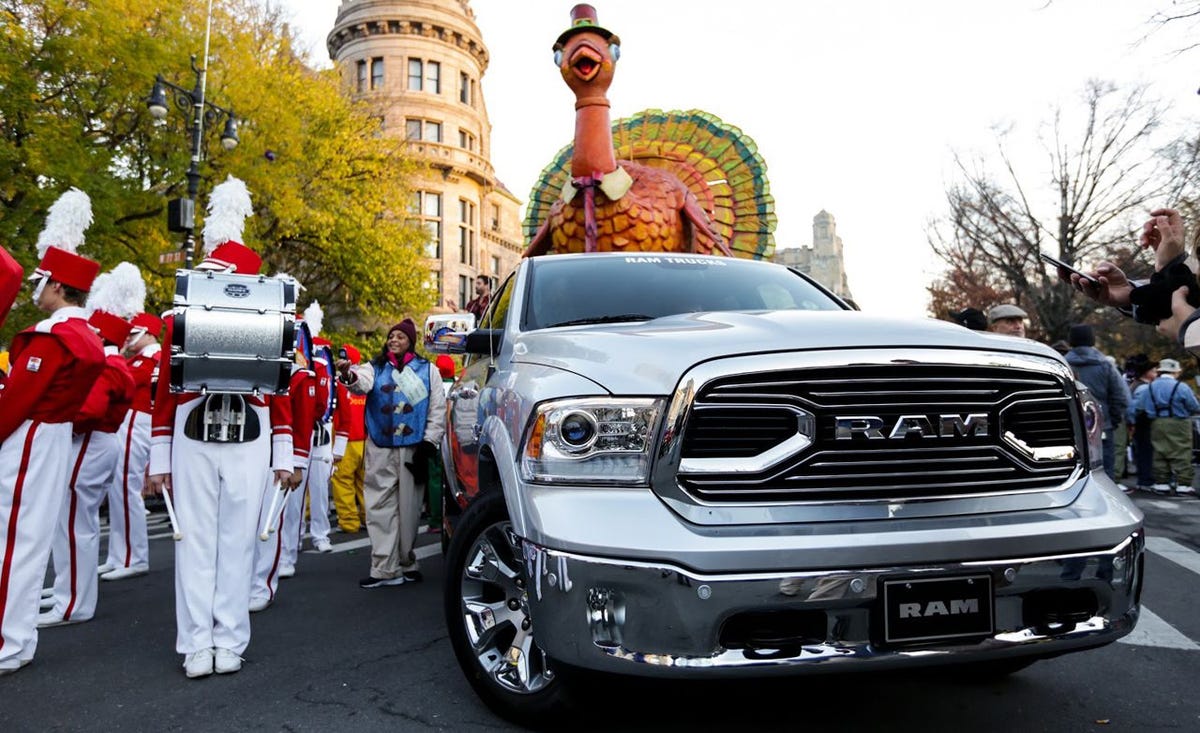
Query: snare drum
point(232, 333)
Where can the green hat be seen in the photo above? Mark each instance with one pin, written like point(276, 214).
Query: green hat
point(583, 18)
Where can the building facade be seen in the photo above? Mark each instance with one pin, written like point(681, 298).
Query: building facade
point(822, 261)
point(421, 62)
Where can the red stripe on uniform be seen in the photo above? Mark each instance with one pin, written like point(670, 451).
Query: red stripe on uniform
point(11, 538)
point(125, 486)
point(87, 438)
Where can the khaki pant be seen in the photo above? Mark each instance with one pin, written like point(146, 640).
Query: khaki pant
point(1120, 450)
point(1172, 441)
point(393, 503)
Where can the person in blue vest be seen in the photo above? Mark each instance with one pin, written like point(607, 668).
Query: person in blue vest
point(406, 417)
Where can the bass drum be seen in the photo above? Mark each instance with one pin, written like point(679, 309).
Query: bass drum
point(232, 333)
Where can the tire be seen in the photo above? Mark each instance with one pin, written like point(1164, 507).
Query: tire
point(484, 575)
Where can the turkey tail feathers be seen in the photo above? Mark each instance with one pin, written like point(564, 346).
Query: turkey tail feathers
point(716, 161)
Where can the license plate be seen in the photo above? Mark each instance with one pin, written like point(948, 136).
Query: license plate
point(931, 609)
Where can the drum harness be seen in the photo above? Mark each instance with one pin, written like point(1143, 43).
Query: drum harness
point(223, 418)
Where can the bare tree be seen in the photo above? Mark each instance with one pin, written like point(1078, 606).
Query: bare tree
point(1101, 179)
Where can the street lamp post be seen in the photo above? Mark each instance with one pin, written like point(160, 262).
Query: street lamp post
point(181, 212)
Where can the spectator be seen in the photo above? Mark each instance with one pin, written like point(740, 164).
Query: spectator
point(483, 296)
point(1171, 403)
point(971, 318)
point(1104, 382)
point(405, 416)
point(1007, 319)
point(1139, 373)
point(1061, 347)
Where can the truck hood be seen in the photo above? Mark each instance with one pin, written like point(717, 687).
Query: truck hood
point(649, 357)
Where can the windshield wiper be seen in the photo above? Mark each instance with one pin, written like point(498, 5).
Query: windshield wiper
point(604, 319)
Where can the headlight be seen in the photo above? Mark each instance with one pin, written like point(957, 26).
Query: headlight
point(1093, 426)
point(594, 440)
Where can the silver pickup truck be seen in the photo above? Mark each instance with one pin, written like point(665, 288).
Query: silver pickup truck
point(698, 466)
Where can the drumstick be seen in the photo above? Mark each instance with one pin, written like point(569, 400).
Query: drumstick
point(269, 519)
point(171, 514)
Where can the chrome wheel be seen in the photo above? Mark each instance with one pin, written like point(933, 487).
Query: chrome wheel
point(495, 613)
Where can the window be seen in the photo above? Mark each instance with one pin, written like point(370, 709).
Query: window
point(495, 218)
point(495, 267)
point(377, 73)
point(427, 208)
point(497, 310)
point(434, 285)
point(466, 232)
point(464, 88)
point(361, 85)
point(433, 77)
point(466, 140)
point(418, 129)
point(465, 292)
point(415, 74)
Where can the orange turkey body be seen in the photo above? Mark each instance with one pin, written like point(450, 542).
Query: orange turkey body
point(649, 217)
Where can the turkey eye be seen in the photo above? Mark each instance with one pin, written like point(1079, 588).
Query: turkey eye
point(558, 57)
point(614, 50)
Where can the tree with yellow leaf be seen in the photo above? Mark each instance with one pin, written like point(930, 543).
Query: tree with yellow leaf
point(329, 189)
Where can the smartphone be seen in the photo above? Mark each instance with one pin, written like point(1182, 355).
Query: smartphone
point(1068, 268)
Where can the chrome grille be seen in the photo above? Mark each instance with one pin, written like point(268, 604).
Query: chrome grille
point(739, 416)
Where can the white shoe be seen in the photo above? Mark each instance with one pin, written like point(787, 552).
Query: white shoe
point(1185, 489)
point(51, 618)
point(287, 571)
point(130, 572)
point(1162, 489)
point(106, 567)
point(258, 604)
point(146, 512)
point(227, 661)
point(198, 664)
point(322, 544)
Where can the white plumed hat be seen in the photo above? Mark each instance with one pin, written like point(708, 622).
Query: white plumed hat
point(228, 207)
point(315, 318)
point(66, 221)
point(120, 291)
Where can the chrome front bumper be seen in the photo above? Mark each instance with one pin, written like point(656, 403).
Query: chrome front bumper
point(655, 619)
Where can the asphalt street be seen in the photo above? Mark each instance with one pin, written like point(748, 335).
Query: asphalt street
point(329, 656)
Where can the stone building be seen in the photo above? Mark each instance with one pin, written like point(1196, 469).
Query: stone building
point(421, 63)
point(823, 260)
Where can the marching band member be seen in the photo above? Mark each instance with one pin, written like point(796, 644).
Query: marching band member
point(128, 545)
point(54, 364)
point(272, 560)
point(350, 430)
point(95, 447)
point(320, 466)
point(202, 449)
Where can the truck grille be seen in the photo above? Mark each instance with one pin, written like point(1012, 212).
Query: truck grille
point(747, 415)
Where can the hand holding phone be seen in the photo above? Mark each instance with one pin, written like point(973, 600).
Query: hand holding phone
point(1064, 266)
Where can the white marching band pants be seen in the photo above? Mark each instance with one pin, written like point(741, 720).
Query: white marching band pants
point(217, 488)
point(127, 541)
point(33, 486)
point(76, 548)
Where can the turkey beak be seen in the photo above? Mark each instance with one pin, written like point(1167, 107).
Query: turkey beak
point(585, 61)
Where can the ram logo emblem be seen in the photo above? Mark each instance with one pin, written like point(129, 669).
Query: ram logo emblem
point(871, 427)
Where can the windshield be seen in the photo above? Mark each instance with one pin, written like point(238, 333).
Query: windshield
point(575, 290)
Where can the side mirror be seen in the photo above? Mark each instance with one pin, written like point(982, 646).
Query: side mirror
point(484, 341)
point(447, 333)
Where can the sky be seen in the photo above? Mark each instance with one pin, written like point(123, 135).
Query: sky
point(856, 107)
